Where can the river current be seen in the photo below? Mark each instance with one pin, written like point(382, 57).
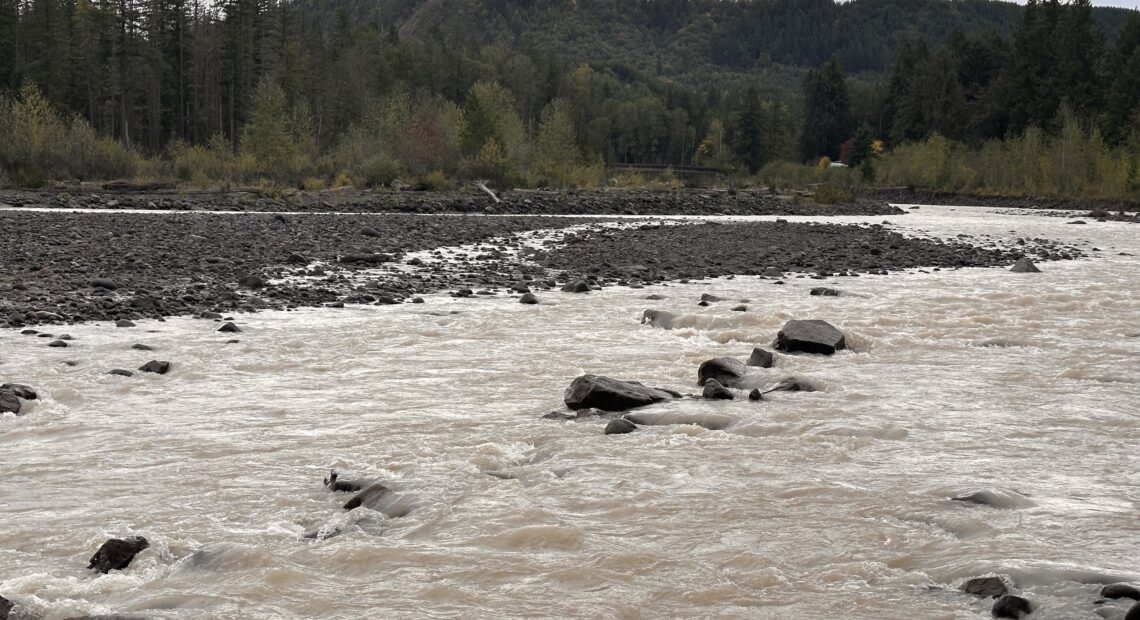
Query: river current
point(832, 503)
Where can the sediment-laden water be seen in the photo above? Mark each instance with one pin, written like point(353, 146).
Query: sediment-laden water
point(826, 504)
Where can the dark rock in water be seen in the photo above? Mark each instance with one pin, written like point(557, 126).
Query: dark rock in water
point(229, 328)
point(296, 259)
point(761, 358)
point(812, 336)
point(9, 403)
point(368, 231)
point(252, 281)
point(5, 608)
point(711, 298)
point(142, 347)
point(579, 286)
point(124, 323)
point(995, 498)
point(121, 372)
point(755, 395)
point(57, 344)
point(593, 391)
point(528, 299)
point(417, 300)
point(117, 553)
point(715, 391)
point(793, 384)
point(655, 297)
point(1120, 590)
point(29, 332)
point(1024, 265)
point(1011, 606)
point(620, 426)
point(19, 389)
point(368, 497)
point(210, 315)
point(102, 283)
point(347, 486)
point(156, 366)
point(724, 370)
point(772, 272)
point(822, 291)
point(658, 318)
point(740, 309)
point(703, 303)
point(991, 586)
point(1134, 613)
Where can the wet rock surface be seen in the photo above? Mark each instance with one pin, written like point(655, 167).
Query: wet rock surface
point(597, 392)
point(117, 553)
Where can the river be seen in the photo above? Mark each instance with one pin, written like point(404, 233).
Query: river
point(832, 503)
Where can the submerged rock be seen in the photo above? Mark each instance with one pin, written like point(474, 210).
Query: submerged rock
point(369, 497)
point(990, 586)
point(727, 371)
point(822, 291)
point(345, 486)
point(156, 367)
point(610, 394)
point(1011, 606)
point(117, 553)
point(755, 395)
point(658, 318)
point(122, 372)
point(1120, 590)
point(229, 328)
point(811, 336)
point(793, 384)
point(995, 498)
point(715, 391)
point(620, 426)
point(9, 403)
point(1134, 613)
point(761, 358)
point(5, 608)
point(579, 286)
point(528, 298)
point(711, 298)
point(124, 323)
point(1024, 265)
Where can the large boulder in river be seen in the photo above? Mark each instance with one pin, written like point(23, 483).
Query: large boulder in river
point(727, 371)
point(715, 391)
point(761, 358)
point(18, 389)
point(1134, 613)
point(813, 336)
point(117, 553)
point(989, 586)
point(1024, 265)
point(658, 318)
point(1120, 590)
point(1011, 606)
point(9, 403)
point(597, 392)
point(5, 608)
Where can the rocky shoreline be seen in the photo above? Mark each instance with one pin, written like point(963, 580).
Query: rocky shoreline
point(521, 202)
point(1100, 208)
point(63, 267)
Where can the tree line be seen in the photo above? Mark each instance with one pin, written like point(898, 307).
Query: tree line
point(337, 92)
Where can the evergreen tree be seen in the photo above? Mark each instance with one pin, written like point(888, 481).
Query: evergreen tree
point(749, 133)
point(827, 115)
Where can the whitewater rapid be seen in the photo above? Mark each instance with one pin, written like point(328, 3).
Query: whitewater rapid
point(826, 504)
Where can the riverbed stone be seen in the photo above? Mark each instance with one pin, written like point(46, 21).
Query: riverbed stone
point(528, 298)
point(755, 395)
point(823, 291)
point(727, 371)
point(578, 286)
point(124, 323)
point(1024, 265)
point(368, 498)
point(761, 358)
point(1011, 606)
point(713, 390)
point(810, 336)
point(1134, 613)
point(156, 366)
point(106, 283)
point(117, 553)
point(658, 318)
point(5, 608)
point(1120, 590)
point(988, 586)
point(229, 328)
point(9, 403)
point(607, 394)
point(57, 344)
point(335, 483)
point(620, 426)
point(19, 389)
point(120, 372)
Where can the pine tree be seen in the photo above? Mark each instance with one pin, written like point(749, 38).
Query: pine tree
point(748, 131)
point(827, 114)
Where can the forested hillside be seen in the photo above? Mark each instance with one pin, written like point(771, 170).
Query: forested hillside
point(365, 91)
